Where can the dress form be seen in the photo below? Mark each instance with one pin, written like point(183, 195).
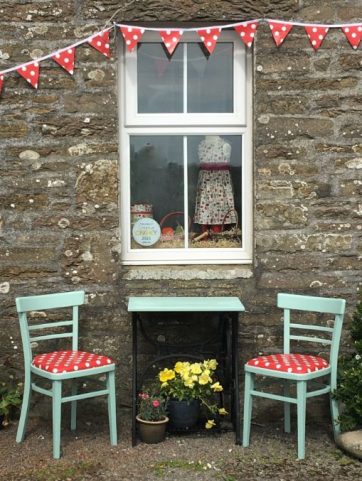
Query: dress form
point(214, 200)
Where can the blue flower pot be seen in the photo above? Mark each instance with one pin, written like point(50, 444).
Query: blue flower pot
point(183, 414)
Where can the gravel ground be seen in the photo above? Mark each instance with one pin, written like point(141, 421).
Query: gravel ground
point(87, 455)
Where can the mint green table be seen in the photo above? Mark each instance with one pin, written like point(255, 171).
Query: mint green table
point(222, 305)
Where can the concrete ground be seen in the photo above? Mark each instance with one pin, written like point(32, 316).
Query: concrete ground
point(87, 455)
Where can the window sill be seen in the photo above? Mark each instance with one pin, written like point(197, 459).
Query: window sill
point(187, 272)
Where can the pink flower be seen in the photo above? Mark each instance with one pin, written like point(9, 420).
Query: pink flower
point(155, 403)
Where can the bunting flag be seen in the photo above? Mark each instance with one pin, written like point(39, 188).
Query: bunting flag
point(353, 35)
point(171, 38)
point(101, 43)
point(246, 32)
point(132, 35)
point(209, 36)
point(30, 72)
point(279, 31)
point(316, 35)
point(65, 58)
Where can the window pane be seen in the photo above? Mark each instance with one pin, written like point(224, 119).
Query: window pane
point(210, 78)
point(157, 187)
point(214, 189)
point(160, 79)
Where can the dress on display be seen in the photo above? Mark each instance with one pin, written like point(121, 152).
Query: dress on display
point(214, 197)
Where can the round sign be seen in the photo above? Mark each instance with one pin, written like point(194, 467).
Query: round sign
point(146, 232)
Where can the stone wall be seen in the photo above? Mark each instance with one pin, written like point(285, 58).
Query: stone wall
point(59, 209)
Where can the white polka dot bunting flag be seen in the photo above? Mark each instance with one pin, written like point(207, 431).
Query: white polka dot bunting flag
point(316, 35)
point(132, 36)
point(246, 31)
point(1, 82)
point(65, 58)
point(30, 72)
point(101, 43)
point(209, 36)
point(171, 38)
point(279, 31)
point(353, 34)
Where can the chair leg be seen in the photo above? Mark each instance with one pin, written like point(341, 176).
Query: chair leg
point(248, 405)
point(301, 412)
point(112, 416)
point(73, 407)
point(286, 409)
point(24, 409)
point(57, 417)
point(335, 415)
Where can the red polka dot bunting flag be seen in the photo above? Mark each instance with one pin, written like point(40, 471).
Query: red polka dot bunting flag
point(246, 32)
point(1, 82)
point(101, 43)
point(30, 72)
point(171, 38)
point(209, 36)
point(65, 58)
point(132, 36)
point(353, 34)
point(316, 35)
point(279, 31)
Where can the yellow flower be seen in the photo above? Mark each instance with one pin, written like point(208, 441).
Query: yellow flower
point(189, 383)
point(164, 384)
point(222, 412)
point(166, 375)
point(180, 367)
point(211, 364)
point(210, 424)
point(217, 387)
point(185, 376)
point(196, 368)
point(204, 379)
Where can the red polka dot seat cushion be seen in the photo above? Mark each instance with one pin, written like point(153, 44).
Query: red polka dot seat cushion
point(292, 363)
point(69, 361)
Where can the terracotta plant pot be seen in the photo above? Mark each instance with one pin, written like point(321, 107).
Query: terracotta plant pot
point(152, 432)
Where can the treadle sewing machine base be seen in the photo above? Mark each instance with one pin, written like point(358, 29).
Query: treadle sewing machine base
point(216, 316)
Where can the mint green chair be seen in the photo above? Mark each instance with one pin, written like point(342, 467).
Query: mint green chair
point(299, 369)
point(59, 366)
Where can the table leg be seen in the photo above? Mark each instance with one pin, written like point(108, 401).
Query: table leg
point(134, 376)
point(235, 375)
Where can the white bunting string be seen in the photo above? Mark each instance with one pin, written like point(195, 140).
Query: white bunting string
point(232, 25)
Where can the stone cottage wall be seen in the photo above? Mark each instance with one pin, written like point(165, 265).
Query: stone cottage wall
point(59, 206)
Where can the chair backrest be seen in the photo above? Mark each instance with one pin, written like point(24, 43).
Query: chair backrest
point(24, 305)
point(335, 307)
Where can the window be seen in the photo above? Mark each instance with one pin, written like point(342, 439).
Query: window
point(186, 159)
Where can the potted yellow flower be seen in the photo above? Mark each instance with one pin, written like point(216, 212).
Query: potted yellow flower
point(187, 386)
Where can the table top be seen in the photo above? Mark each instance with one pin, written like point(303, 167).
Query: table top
point(185, 304)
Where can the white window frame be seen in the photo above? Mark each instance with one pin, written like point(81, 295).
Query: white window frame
point(237, 123)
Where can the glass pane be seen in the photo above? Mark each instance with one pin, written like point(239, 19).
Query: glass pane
point(210, 78)
point(159, 78)
point(157, 191)
point(214, 189)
